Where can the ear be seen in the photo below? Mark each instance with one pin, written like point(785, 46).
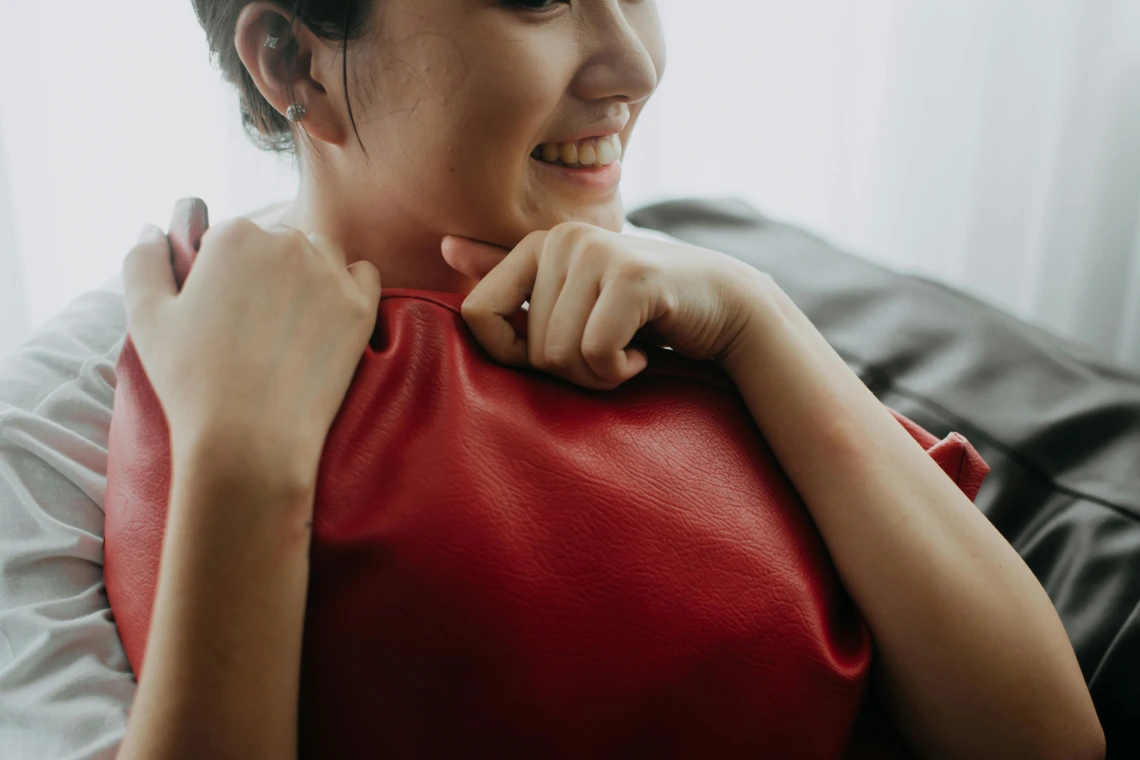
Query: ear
point(316, 70)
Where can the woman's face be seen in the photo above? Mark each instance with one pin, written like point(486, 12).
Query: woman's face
point(463, 98)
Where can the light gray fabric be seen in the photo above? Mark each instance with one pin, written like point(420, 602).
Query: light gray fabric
point(65, 683)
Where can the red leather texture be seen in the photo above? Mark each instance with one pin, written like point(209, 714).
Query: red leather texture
point(507, 565)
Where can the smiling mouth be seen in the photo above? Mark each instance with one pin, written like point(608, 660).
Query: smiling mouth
point(592, 153)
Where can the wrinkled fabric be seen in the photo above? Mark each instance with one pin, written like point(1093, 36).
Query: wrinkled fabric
point(65, 682)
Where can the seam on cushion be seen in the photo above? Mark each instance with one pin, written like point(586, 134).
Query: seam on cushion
point(956, 421)
point(961, 460)
point(977, 433)
point(425, 298)
point(723, 384)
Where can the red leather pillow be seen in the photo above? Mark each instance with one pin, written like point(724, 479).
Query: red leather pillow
point(507, 565)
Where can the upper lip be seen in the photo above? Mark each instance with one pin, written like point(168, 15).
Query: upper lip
point(605, 129)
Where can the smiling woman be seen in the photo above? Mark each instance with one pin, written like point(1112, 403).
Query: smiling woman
point(481, 118)
point(474, 148)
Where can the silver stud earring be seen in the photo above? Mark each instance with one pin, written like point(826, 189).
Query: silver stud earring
point(295, 112)
point(271, 42)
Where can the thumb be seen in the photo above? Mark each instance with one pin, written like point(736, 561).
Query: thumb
point(471, 257)
point(148, 281)
point(367, 277)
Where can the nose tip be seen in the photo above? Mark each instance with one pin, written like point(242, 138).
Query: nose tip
point(638, 77)
point(619, 65)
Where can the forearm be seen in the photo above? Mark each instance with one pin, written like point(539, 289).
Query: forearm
point(974, 659)
point(222, 667)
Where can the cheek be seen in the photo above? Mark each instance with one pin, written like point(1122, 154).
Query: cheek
point(506, 111)
point(446, 128)
point(454, 131)
point(488, 131)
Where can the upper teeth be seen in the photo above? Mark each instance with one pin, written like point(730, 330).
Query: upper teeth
point(601, 151)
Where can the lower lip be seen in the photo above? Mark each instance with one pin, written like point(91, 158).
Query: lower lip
point(596, 178)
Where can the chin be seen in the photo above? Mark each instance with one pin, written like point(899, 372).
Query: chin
point(610, 216)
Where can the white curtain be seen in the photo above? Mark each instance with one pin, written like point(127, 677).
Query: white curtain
point(991, 144)
point(13, 308)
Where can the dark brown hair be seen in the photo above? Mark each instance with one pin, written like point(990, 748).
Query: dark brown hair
point(337, 20)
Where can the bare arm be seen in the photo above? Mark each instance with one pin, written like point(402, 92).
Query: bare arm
point(222, 669)
point(974, 659)
point(250, 361)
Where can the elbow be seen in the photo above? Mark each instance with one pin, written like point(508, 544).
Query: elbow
point(1090, 740)
point(1093, 748)
point(1085, 741)
point(1062, 732)
point(1096, 747)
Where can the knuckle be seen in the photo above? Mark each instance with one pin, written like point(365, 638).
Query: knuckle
point(289, 250)
point(563, 236)
point(594, 250)
point(603, 383)
point(230, 235)
point(596, 353)
point(632, 271)
point(243, 224)
point(536, 236)
point(135, 256)
point(230, 229)
point(295, 241)
point(556, 357)
point(535, 356)
point(572, 231)
point(361, 308)
point(471, 309)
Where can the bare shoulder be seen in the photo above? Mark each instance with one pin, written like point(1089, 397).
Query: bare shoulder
point(268, 215)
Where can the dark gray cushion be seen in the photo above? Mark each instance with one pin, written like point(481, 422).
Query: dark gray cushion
point(1059, 428)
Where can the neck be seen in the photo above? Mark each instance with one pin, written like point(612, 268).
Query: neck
point(406, 253)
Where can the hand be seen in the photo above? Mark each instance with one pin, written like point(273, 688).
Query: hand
point(591, 291)
point(252, 359)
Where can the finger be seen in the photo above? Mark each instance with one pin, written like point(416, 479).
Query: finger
point(471, 257)
point(498, 296)
point(148, 281)
point(543, 298)
point(328, 247)
point(562, 349)
point(611, 326)
point(367, 277)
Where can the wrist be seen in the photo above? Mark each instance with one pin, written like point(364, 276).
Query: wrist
point(760, 304)
point(235, 513)
point(280, 466)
